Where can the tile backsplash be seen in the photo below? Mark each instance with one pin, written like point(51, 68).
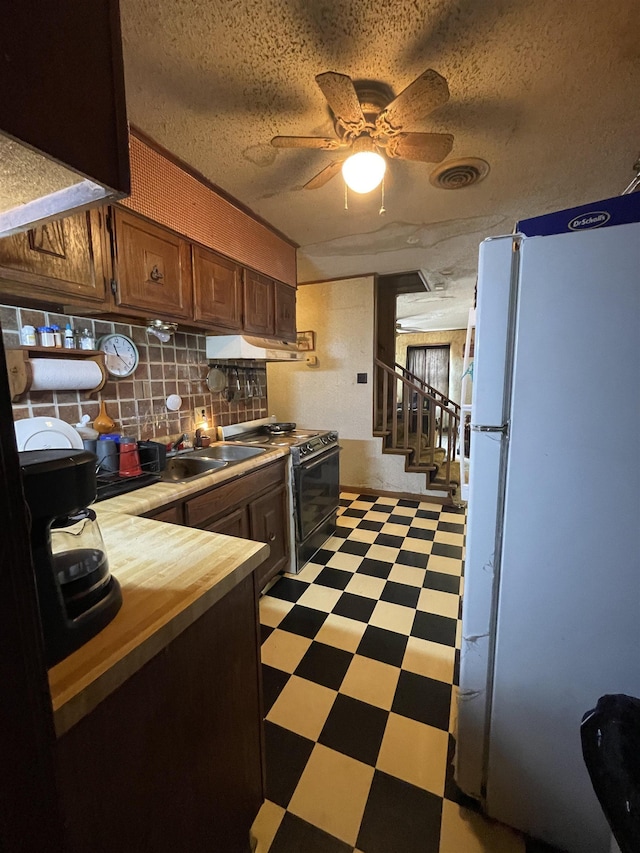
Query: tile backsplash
point(138, 403)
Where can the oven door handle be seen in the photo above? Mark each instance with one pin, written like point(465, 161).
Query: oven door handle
point(319, 460)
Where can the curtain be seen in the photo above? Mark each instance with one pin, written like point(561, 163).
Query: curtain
point(431, 364)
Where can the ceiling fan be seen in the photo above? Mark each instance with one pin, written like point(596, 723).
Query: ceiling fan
point(407, 330)
point(368, 121)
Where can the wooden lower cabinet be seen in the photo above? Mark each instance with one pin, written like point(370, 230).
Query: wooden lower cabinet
point(171, 515)
point(236, 523)
point(172, 760)
point(252, 507)
point(268, 523)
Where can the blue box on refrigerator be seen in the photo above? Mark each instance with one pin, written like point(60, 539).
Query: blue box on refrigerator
point(619, 210)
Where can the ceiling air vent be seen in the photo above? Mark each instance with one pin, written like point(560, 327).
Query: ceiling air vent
point(458, 174)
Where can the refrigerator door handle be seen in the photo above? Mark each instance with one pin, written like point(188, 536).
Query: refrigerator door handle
point(504, 428)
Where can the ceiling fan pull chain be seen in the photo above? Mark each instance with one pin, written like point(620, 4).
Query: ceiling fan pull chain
point(382, 207)
point(346, 199)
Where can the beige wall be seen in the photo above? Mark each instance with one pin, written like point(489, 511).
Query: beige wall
point(328, 396)
point(455, 339)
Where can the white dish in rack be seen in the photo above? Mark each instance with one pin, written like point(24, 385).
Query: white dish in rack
point(46, 433)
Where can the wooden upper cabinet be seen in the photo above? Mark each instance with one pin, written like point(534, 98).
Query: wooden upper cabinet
point(217, 297)
point(285, 311)
point(269, 307)
point(259, 308)
point(59, 262)
point(152, 268)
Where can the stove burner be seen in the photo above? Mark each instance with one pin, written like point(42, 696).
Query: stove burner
point(304, 444)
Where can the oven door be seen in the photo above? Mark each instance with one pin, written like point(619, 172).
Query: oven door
point(316, 491)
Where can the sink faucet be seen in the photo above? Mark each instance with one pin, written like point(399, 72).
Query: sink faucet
point(176, 444)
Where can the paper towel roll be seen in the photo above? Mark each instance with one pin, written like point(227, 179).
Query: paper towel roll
point(64, 374)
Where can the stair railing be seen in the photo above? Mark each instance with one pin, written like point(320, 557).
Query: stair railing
point(444, 400)
point(400, 402)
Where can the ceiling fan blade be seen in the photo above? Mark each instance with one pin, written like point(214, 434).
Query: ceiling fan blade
point(323, 142)
point(427, 92)
point(343, 99)
point(324, 176)
point(424, 147)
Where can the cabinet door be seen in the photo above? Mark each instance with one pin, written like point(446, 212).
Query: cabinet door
point(269, 524)
point(58, 262)
point(153, 268)
point(234, 524)
point(258, 304)
point(217, 289)
point(176, 750)
point(285, 311)
point(172, 515)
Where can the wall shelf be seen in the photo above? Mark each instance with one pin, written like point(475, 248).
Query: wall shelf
point(20, 371)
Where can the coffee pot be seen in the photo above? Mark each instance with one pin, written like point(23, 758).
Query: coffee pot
point(77, 595)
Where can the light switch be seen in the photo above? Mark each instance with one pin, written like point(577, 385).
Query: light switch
point(362, 379)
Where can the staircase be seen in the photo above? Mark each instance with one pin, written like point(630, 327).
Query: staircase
point(418, 422)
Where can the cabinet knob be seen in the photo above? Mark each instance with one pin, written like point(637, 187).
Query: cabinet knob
point(272, 537)
point(155, 274)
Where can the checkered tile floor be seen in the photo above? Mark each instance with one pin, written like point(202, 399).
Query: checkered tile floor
point(360, 657)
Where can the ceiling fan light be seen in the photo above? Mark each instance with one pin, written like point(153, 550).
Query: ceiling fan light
point(364, 171)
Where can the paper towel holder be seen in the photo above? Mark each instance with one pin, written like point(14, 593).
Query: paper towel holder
point(21, 376)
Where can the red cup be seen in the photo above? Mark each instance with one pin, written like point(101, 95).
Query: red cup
point(129, 458)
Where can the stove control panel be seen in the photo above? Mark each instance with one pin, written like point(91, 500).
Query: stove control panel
point(318, 444)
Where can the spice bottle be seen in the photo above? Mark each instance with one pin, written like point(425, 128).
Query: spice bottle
point(57, 337)
point(28, 336)
point(69, 337)
point(46, 336)
point(86, 340)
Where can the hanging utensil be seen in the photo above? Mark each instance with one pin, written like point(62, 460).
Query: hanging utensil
point(216, 380)
point(229, 391)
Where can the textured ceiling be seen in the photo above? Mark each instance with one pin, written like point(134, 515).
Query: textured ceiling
point(544, 91)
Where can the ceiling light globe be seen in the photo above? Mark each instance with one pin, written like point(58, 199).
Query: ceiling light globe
point(364, 171)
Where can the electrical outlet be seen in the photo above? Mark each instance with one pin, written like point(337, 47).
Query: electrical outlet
point(199, 416)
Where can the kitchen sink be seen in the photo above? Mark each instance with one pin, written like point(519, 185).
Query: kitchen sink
point(228, 452)
point(181, 468)
point(186, 465)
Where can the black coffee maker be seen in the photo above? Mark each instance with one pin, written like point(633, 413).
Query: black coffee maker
point(77, 595)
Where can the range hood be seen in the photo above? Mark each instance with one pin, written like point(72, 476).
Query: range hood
point(238, 347)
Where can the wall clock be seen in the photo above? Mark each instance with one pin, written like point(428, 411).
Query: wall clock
point(121, 355)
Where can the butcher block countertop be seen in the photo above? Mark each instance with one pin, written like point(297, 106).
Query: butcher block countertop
point(169, 574)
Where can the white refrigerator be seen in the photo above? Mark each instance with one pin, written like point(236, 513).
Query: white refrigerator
point(551, 606)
